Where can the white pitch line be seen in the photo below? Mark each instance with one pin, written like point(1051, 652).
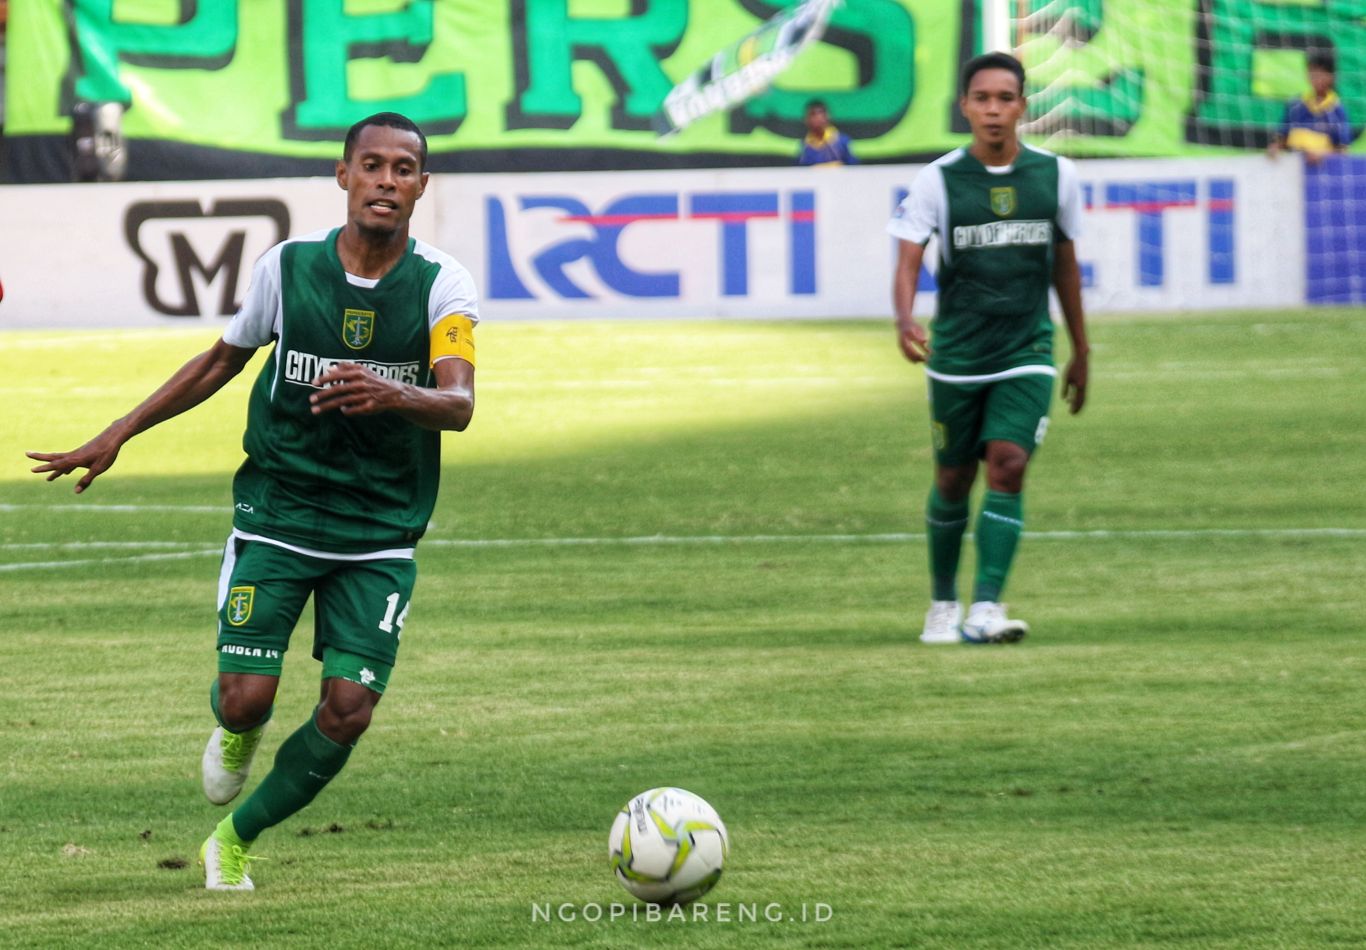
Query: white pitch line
point(663, 540)
point(84, 562)
point(122, 509)
point(889, 538)
point(1201, 533)
point(84, 545)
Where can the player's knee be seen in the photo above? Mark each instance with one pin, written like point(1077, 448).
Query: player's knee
point(954, 484)
point(344, 720)
point(241, 709)
point(1006, 469)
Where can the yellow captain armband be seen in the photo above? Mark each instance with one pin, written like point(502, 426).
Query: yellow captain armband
point(453, 336)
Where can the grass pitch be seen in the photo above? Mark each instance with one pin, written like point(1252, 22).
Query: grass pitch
point(686, 554)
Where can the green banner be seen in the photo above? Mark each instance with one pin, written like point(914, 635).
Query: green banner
point(215, 88)
point(1179, 77)
point(550, 79)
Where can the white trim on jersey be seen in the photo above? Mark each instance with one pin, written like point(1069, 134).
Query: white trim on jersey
point(388, 554)
point(925, 209)
point(1036, 370)
point(924, 212)
point(453, 291)
point(261, 317)
point(225, 572)
point(262, 313)
point(1070, 205)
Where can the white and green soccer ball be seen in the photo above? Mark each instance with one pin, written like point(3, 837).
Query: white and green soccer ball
point(667, 846)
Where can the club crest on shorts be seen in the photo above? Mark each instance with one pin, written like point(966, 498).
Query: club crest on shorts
point(1002, 202)
point(358, 328)
point(240, 600)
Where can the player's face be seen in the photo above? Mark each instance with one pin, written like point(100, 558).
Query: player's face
point(993, 105)
point(1321, 80)
point(382, 178)
point(817, 119)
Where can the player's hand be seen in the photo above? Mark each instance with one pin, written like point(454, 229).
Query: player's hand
point(95, 456)
point(353, 390)
point(915, 344)
point(1074, 382)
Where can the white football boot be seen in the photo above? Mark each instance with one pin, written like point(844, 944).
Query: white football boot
point(225, 866)
point(227, 762)
point(987, 623)
point(942, 622)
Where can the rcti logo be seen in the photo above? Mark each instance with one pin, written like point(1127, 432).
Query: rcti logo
point(203, 248)
point(555, 246)
point(1151, 200)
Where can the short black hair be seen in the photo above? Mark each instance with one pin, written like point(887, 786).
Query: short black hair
point(992, 61)
point(816, 104)
point(1322, 59)
point(390, 120)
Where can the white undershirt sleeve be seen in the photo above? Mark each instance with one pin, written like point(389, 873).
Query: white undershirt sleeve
point(919, 214)
point(1070, 206)
point(452, 292)
point(256, 323)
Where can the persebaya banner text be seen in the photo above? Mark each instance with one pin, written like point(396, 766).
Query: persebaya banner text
point(263, 87)
point(234, 88)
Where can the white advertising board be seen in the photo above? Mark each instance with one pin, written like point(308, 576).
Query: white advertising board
point(149, 254)
point(1161, 235)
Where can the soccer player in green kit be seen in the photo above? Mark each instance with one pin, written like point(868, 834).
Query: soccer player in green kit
point(1006, 216)
point(373, 357)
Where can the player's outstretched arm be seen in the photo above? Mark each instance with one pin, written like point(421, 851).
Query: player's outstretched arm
point(1067, 281)
point(194, 382)
point(915, 343)
point(354, 390)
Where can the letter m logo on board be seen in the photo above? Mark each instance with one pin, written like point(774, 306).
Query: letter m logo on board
point(200, 247)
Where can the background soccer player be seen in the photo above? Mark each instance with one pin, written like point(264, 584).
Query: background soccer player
point(1006, 215)
point(374, 354)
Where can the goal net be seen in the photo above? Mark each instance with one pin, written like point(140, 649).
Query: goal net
point(1149, 78)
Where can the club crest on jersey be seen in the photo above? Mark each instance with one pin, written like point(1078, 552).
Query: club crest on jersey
point(940, 436)
point(358, 328)
point(240, 600)
point(1003, 201)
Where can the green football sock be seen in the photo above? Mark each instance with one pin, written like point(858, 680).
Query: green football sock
point(945, 523)
point(998, 534)
point(305, 763)
point(213, 704)
point(226, 833)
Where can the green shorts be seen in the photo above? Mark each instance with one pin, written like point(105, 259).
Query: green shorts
point(964, 417)
point(358, 608)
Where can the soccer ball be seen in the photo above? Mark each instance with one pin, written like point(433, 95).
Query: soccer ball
point(667, 846)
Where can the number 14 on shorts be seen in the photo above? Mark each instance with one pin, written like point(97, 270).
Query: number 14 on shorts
point(390, 623)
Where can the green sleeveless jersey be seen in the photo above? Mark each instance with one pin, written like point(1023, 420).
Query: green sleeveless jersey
point(996, 228)
point(335, 483)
